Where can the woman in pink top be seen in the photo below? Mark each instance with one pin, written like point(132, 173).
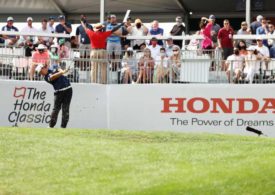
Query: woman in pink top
point(206, 26)
point(40, 56)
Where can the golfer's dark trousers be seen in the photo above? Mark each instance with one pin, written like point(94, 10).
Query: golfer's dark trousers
point(62, 99)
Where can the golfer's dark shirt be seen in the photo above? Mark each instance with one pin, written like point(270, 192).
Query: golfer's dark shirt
point(59, 83)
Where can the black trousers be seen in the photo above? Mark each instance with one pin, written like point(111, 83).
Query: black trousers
point(62, 99)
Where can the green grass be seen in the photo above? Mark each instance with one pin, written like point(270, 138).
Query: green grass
point(71, 161)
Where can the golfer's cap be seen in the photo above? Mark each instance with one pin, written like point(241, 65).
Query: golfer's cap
point(113, 16)
point(154, 39)
point(138, 21)
point(212, 17)
point(39, 68)
point(10, 19)
point(130, 49)
point(29, 19)
point(98, 26)
point(61, 17)
point(41, 46)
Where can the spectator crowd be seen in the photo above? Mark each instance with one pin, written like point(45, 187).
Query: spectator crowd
point(140, 60)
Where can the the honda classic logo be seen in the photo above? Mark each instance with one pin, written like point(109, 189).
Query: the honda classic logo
point(30, 106)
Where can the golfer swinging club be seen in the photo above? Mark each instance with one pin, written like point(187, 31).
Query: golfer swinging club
point(62, 95)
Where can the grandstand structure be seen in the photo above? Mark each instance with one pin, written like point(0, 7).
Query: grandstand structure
point(162, 10)
point(179, 107)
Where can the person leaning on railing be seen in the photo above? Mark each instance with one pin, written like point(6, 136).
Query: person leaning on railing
point(39, 57)
point(98, 53)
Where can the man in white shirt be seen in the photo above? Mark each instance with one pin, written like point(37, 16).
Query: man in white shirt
point(264, 51)
point(48, 41)
point(138, 30)
point(28, 29)
point(51, 24)
point(154, 48)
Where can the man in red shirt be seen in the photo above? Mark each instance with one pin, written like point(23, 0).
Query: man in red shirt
point(225, 40)
point(98, 55)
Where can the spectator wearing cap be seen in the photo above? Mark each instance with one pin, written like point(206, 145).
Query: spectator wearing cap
point(178, 30)
point(51, 24)
point(215, 29)
point(263, 30)
point(225, 39)
point(257, 23)
point(169, 46)
point(10, 39)
point(175, 61)
point(156, 31)
point(154, 47)
point(263, 51)
point(48, 41)
point(98, 44)
point(29, 29)
point(82, 37)
point(138, 29)
point(64, 28)
point(39, 57)
point(114, 43)
point(244, 30)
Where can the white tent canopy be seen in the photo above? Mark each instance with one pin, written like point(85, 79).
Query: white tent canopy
point(162, 10)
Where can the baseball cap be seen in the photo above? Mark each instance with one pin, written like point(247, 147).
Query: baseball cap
point(51, 18)
point(138, 21)
point(41, 46)
point(29, 19)
point(10, 19)
point(61, 17)
point(113, 16)
point(259, 38)
point(212, 17)
point(259, 18)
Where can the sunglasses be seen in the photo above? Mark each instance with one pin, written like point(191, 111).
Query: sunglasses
point(175, 50)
